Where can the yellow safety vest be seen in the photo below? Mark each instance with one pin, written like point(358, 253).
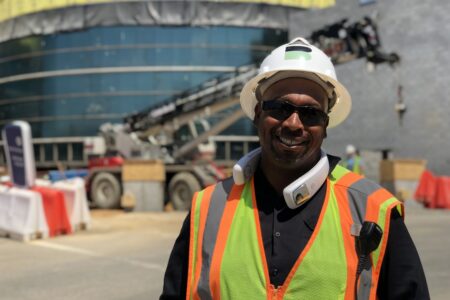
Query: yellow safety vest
point(226, 254)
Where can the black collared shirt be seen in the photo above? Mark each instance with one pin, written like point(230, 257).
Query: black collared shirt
point(285, 233)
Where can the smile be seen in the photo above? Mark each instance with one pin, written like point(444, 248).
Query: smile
point(291, 142)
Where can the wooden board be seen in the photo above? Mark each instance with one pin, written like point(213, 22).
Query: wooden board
point(21, 237)
point(401, 169)
point(143, 170)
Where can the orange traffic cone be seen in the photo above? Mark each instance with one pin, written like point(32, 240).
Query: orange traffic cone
point(426, 189)
point(442, 195)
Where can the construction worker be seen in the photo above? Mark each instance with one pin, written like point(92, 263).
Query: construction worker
point(291, 223)
point(353, 160)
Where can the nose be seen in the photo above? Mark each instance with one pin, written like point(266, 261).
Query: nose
point(293, 122)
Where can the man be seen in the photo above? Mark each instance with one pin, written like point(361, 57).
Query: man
point(353, 160)
point(291, 223)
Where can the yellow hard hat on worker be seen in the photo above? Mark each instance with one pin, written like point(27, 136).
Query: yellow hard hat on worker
point(298, 58)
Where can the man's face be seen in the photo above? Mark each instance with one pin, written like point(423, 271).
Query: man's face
point(287, 142)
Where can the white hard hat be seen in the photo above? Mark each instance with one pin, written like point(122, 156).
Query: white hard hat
point(350, 149)
point(298, 58)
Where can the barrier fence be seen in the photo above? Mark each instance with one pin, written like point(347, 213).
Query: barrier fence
point(45, 210)
point(433, 191)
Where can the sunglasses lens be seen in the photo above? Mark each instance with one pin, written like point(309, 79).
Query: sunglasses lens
point(281, 110)
point(310, 116)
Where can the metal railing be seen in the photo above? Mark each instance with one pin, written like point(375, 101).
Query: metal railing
point(229, 148)
point(70, 151)
point(49, 152)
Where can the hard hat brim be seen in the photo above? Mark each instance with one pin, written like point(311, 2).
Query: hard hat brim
point(339, 111)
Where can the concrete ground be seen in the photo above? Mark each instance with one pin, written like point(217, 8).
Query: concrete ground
point(123, 256)
point(430, 230)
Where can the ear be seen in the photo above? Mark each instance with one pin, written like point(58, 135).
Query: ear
point(325, 129)
point(257, 114)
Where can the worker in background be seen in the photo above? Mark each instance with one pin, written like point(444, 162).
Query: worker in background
point(353, 160)
point(291, 223)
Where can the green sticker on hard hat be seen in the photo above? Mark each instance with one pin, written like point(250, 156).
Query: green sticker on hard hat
point(297, 52)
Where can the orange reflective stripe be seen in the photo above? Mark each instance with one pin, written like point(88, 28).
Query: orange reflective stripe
point(191, 246)
point(348, 179)
point(222, 236)
point(376, 270)
point(260, 241)
point(374, 201)
point(346, 221)
point(349, 242)
point(204, 206)
point(282, 290)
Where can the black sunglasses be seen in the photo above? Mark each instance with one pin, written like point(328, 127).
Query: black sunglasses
point(281, 110)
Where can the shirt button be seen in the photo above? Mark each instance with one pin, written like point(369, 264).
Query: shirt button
point(275, 272)
point(277, 234)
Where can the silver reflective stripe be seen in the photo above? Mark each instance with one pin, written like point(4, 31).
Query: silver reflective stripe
point(357, 198)
point(355, 229)
point(216, 207)
point(365, 284)
point(358, 193)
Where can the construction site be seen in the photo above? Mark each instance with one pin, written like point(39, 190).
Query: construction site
point(114, 114)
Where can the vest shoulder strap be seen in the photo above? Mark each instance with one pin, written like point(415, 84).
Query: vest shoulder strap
point(204, 232)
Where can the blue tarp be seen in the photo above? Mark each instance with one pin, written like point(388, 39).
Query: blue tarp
point(60, 175)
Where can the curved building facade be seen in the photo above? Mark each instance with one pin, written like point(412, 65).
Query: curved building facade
point(67, 67)
point(68, 84)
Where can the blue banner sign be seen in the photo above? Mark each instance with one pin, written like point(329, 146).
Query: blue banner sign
point(19, 153)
